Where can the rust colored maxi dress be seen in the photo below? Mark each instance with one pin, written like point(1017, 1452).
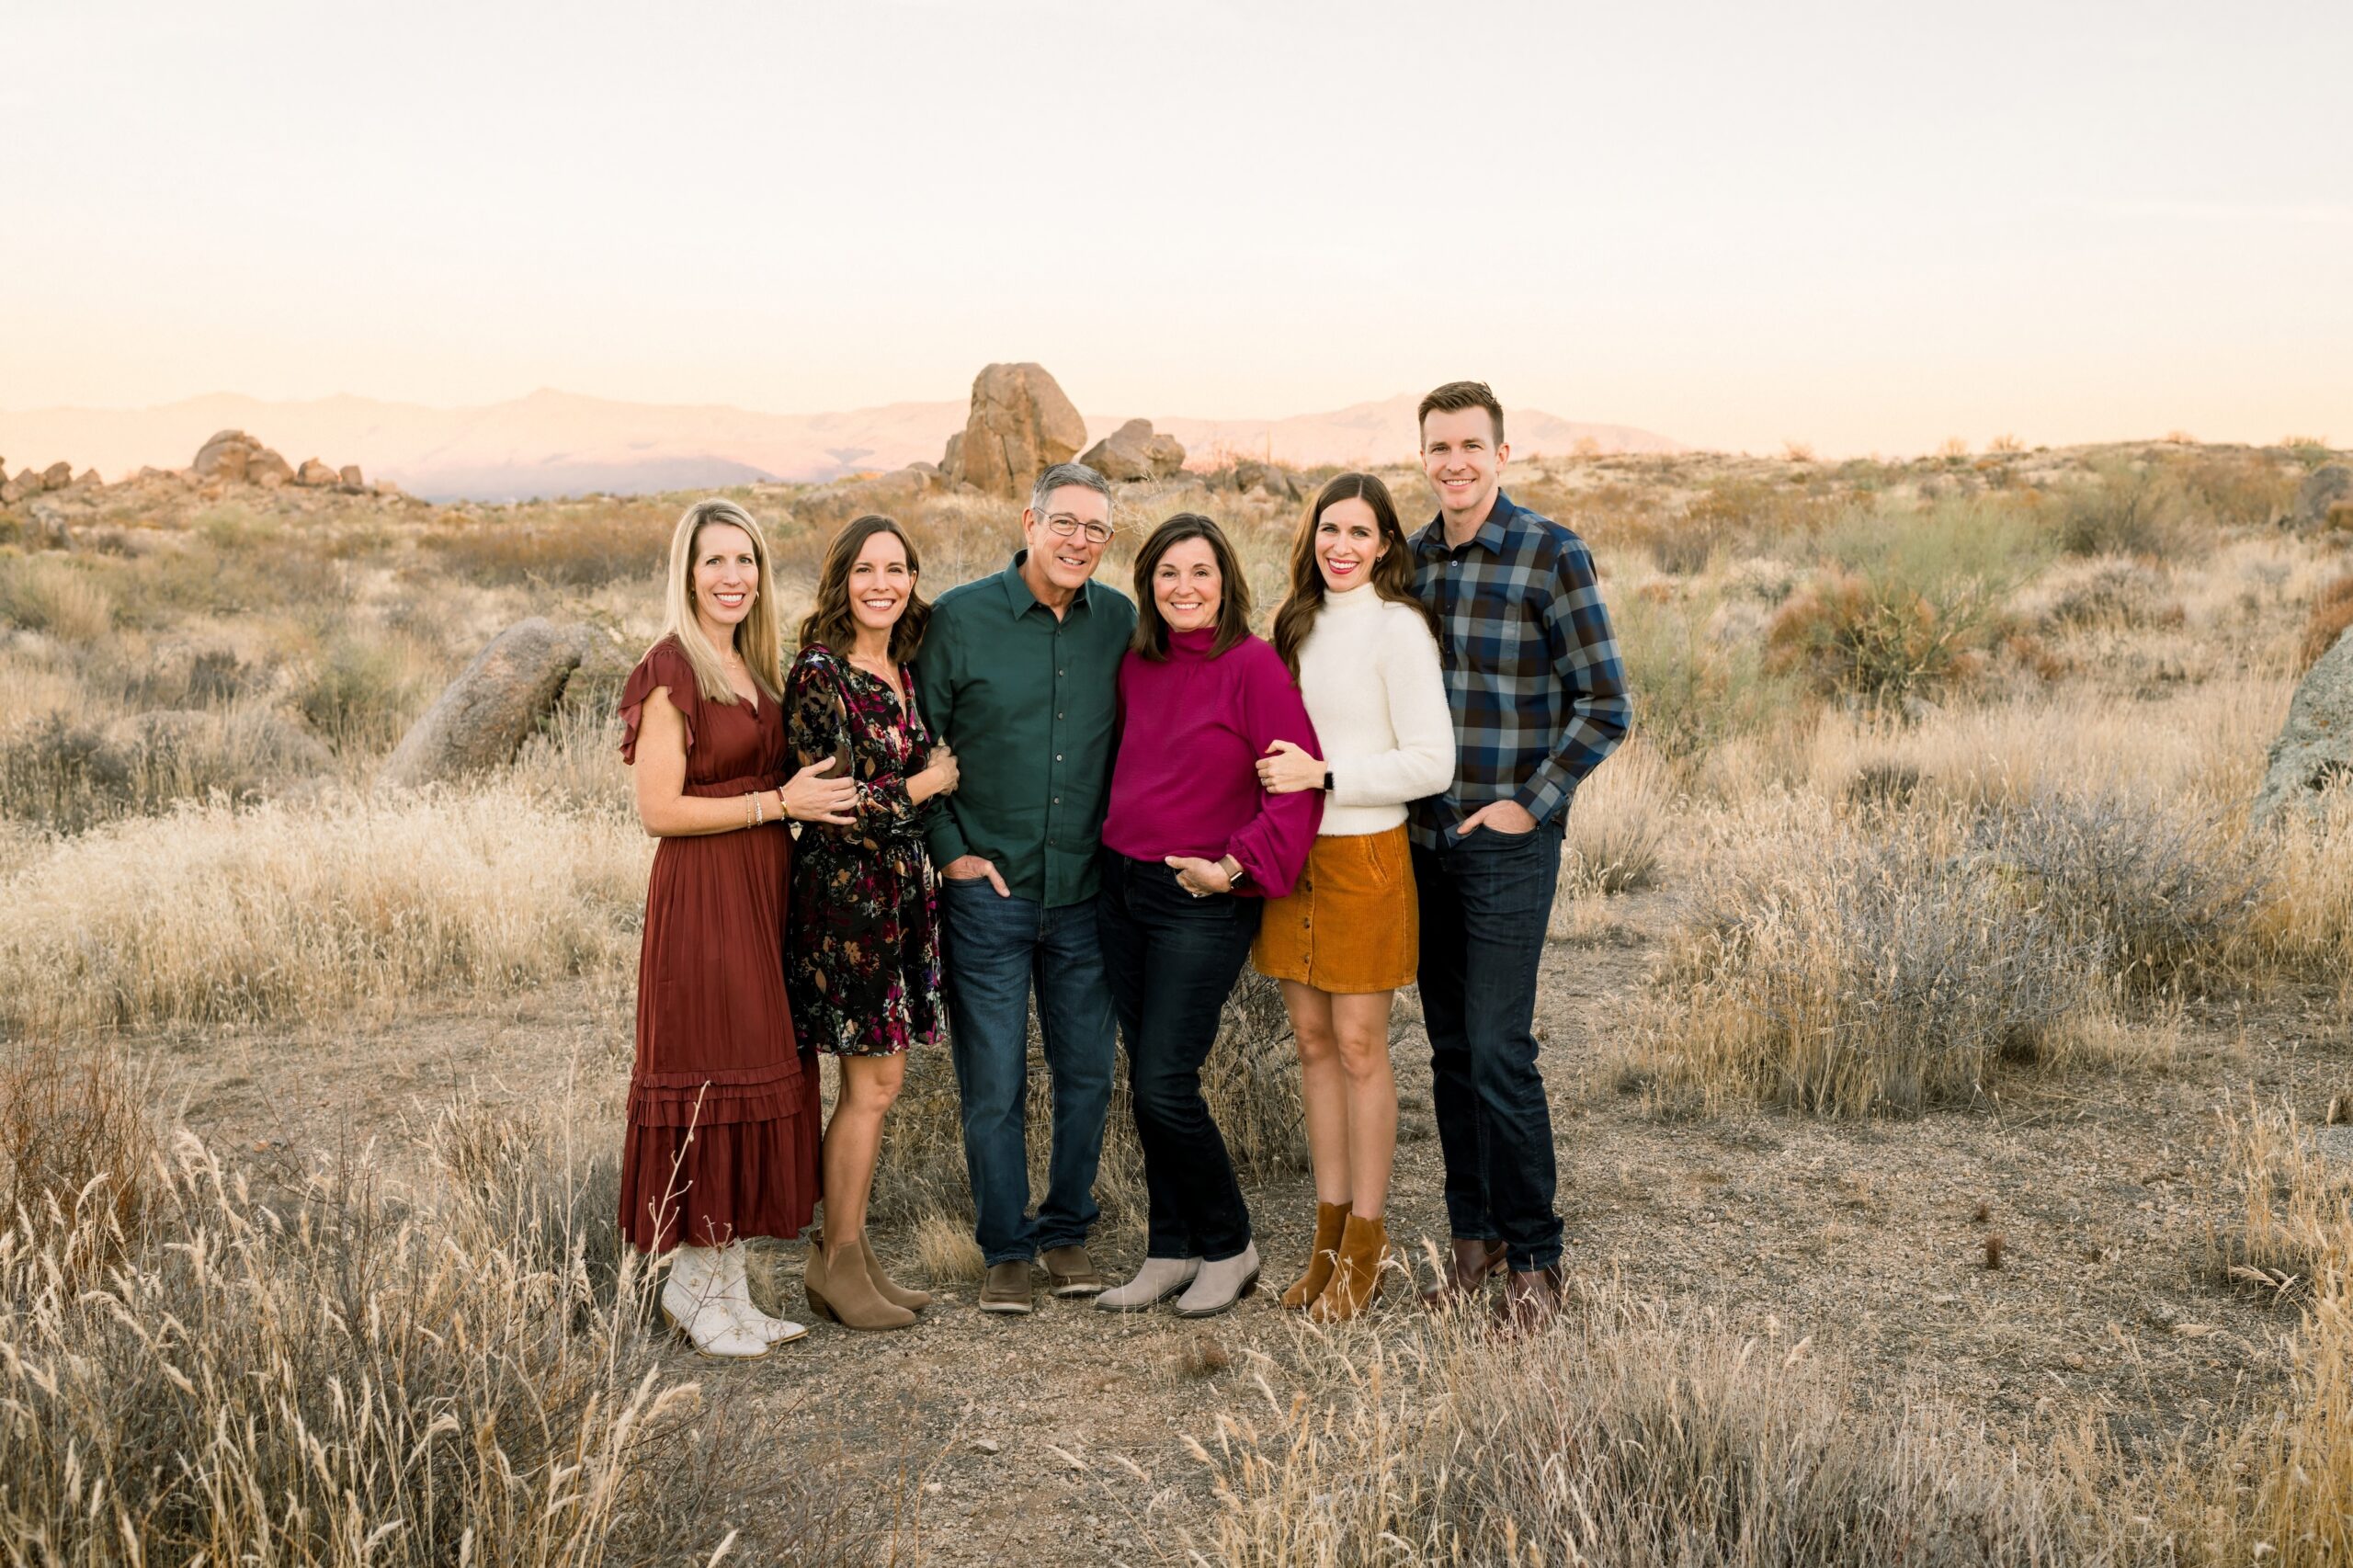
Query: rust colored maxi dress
point(723, 1134)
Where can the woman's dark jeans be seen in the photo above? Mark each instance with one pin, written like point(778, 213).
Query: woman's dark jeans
point(1171, 959)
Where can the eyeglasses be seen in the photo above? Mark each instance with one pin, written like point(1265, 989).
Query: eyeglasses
point(1063, 524)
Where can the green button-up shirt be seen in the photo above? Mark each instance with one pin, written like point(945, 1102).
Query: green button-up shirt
point(1030, 702)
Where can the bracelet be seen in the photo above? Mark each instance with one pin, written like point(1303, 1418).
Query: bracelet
point(759, 809)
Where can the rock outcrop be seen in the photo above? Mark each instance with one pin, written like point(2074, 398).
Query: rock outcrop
point(317, 475)
point(2324, 491)
point(238, 458)
point(482, 718)
point(1133, 453)
point(1271, 479)
point(1020, 424)
point(2315, 746)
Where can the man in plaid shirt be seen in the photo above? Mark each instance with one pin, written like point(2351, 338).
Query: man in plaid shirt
point(1540, 698)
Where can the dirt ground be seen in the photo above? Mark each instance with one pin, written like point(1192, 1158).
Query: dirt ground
point(990, 1438)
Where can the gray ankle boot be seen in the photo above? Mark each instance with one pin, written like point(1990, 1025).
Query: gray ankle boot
point(1159, 1279)
point(1221, 1284)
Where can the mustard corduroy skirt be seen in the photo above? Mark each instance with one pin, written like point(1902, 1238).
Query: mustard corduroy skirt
point(1351, 923)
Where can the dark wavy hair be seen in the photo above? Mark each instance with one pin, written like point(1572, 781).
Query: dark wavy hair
point(1233, 588)
point(1392, 575)
point(830, 622)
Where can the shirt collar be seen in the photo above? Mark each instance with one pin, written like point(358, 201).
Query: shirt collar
point(1431, 543)
point(1017, 588)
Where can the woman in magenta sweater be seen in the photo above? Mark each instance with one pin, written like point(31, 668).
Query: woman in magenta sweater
point(1192, 847)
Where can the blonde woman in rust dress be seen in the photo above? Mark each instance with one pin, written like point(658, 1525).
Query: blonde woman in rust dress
point(864, 974)
point(1365, 653)
point(722, 1140)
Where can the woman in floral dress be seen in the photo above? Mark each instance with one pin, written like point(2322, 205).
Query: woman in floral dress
point(863, 973)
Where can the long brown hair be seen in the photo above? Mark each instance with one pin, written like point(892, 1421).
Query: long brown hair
point(830, 620)
point(1232, 594)
point(1392, 575)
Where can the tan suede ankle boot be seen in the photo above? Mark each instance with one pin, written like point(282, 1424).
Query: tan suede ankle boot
point(837, 1288)
point(897, 1295)
point(1356, 1278)
point(1330, 1219)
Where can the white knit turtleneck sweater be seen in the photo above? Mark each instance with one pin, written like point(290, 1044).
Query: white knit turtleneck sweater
point(1371, 675)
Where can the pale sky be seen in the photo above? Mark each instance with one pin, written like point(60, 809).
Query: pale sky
point(1869, 226)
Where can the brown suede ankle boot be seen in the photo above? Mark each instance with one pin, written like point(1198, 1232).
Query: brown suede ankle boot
point(1330, 1220)
point(897, 1295)
point(1356, 1278)
point(837, 1288)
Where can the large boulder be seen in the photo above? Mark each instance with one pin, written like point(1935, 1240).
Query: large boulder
point(1267, 479)
point(1020, 424)
point(2325, 490)
point(484, 717)
point(57, 476)
point(1133, 453)
point(237, 458)
point(2315, 747)
point(317, 475)
point(349, 474)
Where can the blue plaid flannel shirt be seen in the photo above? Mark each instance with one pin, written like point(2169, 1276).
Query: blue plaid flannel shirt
point(1532, 671)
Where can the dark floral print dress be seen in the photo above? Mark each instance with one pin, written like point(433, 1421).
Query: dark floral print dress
point(863, 964)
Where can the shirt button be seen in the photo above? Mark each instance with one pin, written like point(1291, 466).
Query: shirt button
point(1058, 756)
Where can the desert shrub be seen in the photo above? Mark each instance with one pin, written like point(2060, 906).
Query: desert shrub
point(2292, 1205)
point(1626, 1436)
point(2305, 918)
point(1696, 682)
point(2245, 490)
point(2108, 591)
point(214, 915)
point(2158, 894)
point(1880, 640)
point(2332, 612)
point(2123, 510)
point(567, 544)
point(1848, 972)
point(363, 690)
point(342, 1377)
point(42, 593)
point(69, 777)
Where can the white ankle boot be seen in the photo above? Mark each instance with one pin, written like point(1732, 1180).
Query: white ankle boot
point(736, 1291)
point(694, 1300)
point(1221, 1284)
point(1159, 1279)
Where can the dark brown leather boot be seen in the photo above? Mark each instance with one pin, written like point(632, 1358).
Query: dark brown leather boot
point(1473, 1262)
point(1531, 1300)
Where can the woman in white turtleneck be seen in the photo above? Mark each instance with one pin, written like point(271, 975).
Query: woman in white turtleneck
point(1365, 653)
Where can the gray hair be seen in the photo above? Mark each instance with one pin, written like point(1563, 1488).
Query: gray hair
point(1063, 475)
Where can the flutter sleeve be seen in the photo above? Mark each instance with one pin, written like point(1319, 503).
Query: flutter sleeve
point(818, 726)
point(664, 666)
point(1273, 845)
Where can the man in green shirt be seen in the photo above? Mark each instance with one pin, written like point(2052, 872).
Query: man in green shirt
point(1020, 674)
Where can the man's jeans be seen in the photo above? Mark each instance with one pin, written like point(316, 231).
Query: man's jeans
point(1173, 959)
point(994, 950)
point(1485, 903)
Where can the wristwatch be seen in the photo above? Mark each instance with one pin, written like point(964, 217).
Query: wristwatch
point(1235, 877)
point(1328, 780)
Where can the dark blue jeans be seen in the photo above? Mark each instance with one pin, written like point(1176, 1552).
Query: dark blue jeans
point(994, 952)
point(1172, 958)
point(1485, 903)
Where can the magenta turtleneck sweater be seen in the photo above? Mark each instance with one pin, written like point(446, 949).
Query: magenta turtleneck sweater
point(1186, 781)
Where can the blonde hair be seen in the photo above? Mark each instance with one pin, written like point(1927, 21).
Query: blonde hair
point(758, 636)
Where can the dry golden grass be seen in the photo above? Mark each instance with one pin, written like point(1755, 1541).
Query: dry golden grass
point(1630, 1436)
point(218, 916)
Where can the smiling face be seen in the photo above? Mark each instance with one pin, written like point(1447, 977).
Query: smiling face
point(880, 583)
point(1187, 586)
point(1463, 458)
point(726, 580)
point(1067, 561)
point(1348, 543)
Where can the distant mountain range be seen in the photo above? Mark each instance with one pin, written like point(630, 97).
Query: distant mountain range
point(554, 443)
